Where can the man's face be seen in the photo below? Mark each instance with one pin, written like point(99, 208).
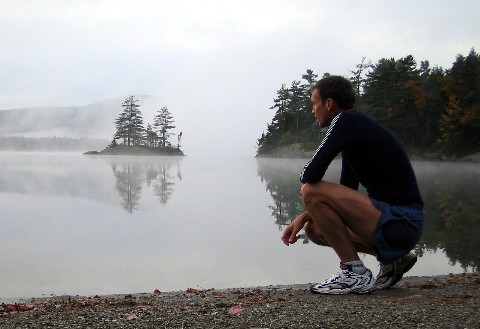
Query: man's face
point(321, 109)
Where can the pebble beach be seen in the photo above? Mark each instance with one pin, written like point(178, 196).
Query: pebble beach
point(451, 301)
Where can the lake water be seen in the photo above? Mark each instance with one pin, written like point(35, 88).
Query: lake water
point(85, 225)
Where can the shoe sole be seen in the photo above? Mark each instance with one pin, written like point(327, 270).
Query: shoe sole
point(355, 290)
point(331, 292)
point(364, 290)
point(407, 267)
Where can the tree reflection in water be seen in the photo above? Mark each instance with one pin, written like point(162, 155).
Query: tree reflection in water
point(281, 179)
point(452, 210)
point(450, 192)
point(155, 173)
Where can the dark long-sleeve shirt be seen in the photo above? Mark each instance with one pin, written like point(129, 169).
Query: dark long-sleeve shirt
point(371, 156)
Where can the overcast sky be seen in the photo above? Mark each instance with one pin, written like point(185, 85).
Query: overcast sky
point(215, 64)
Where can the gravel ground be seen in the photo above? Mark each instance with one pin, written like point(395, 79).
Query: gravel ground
point(416, 302)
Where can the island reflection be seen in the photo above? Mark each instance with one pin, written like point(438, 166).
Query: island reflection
point(132, 174)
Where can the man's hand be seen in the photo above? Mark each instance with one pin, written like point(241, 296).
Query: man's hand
point(289, 235)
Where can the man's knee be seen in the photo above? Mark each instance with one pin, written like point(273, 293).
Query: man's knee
point(313, 193)
point(307, 189)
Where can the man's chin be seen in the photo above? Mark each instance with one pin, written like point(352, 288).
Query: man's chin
point(324, 124)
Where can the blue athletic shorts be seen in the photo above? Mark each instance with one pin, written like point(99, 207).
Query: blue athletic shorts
point(398, 230)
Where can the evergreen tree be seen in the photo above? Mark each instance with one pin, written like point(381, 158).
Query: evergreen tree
point(297, 100)
point(451, 134)
point(310, 77)
point(163, 123)
point(427, 108)
point(358, 80)
point(292, 122)
point(394, 96)
point(429, 117)
point(460, 124)
point(465, 79)
point(280, 130)
point(129, 124)
point(122, 129)
point(281, 104)
point(151, 136)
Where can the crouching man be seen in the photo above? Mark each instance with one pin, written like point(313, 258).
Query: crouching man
point(386, 222)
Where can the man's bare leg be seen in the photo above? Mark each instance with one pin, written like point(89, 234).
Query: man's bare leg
point(345, 220)
point(315, 235)
point(336, 212)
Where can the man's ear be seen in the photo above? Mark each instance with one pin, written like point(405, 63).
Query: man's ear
point(329, 104)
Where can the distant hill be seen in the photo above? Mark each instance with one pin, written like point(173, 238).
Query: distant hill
point(51, 144)
point(93, 121)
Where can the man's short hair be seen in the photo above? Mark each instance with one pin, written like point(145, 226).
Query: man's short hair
point(337, 88)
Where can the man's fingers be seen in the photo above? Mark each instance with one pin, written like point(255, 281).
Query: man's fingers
point(293, 238)
point(287, 236)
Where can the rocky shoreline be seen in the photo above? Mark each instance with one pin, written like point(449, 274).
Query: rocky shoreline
point(137, 150)
point(297, 151)
point(451, 301)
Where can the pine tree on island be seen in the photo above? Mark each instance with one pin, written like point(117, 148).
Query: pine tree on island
point(131, 133)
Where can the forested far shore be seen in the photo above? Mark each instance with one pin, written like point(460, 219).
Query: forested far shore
point(20, 143)
point(432, 111)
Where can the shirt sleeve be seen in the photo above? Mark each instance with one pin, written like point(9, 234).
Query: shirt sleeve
point(331, 145)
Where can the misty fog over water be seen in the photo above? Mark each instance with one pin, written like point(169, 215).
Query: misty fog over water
point(86, 225)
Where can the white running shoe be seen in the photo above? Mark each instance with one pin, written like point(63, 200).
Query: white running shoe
point(391, 273)
point(344, 282)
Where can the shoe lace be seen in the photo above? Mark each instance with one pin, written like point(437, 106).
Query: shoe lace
point(344, 269)
point(335, 277)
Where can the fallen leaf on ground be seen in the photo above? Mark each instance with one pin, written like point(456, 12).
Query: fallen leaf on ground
point(10, 308)
point(236, 310)
point(25, 307)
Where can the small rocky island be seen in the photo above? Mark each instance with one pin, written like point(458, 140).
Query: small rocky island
point(132, 138)
point(137, 150)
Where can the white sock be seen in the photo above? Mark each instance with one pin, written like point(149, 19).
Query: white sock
point(357, 266)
